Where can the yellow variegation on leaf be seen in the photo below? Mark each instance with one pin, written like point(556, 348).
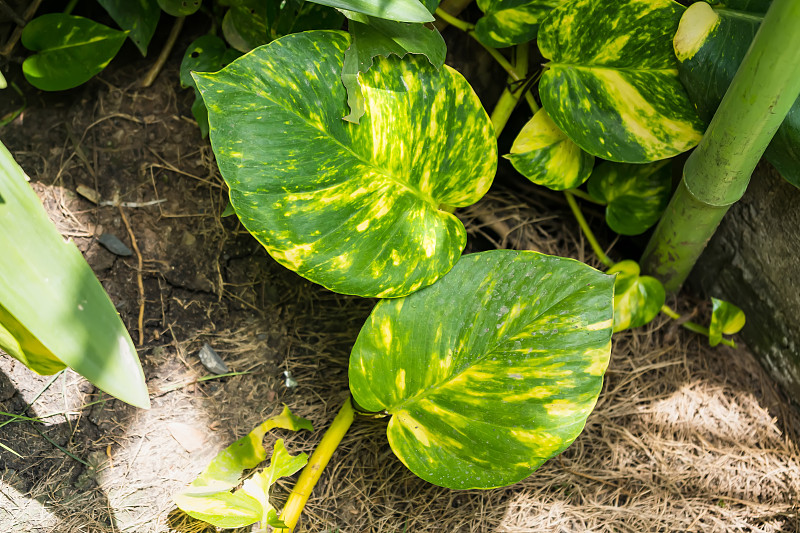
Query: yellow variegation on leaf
point(490, 371)
point(352, 207)
point(546, 156)
point(726, 318)
point(637, 299)
point(612, 81)
point(510, 22)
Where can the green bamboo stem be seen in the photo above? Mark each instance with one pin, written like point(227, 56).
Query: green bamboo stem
point(716, 175)
point(313, 470)
point(598, 250)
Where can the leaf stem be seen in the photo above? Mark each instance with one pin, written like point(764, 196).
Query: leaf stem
point(598, 250)
point(70, 7)
point(316, 464)
point(510, 98)
point(150, 77)
point(693, 326)
point(583, 195)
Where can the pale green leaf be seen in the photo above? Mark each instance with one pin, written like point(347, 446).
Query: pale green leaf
point(612, 82)
point(509, 22)
point(490, 371)
point(399, 10)
point(352, 207)
point(245, 27)
point(636, 194)
point(180, 8)
point(70, 50)
point(637, 299)
point(52, 307)
point(138, 17)
point(546, 156)
point(726, 318)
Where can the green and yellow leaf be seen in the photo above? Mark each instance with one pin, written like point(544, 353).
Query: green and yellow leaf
point(710, 45)
point(636, 195)
point(399, 10)
point(354, 208)
point(53, 310)
point(490, 371)
point(726, 319)
point(509, 22)
point(612, 82)
point(180, 8)
point(546, 156)
point(637, 299)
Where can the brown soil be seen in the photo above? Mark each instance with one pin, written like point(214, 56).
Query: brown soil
point(685, 438)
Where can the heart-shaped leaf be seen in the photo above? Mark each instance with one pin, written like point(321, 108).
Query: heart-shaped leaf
point(373, 37)
point(509, 22)
point(53, 310)
point(490, 371)
point(726, 319)
point(710, 45)
point(250, 504)
point(352, 207)
point(546, 156)
point(180, 8)
point(400, 10)
point(138, 17)
point(637, 299)
point(245, 27)
point(70, 50)
point(612, 83)
point(636, 194)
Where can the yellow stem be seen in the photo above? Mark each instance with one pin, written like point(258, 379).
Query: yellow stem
point(313, 470)
point(598, 250)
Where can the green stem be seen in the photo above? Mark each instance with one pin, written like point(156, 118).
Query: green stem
point(316, 464)
point(717, 173)
point(583, 195)
point(598, 250)
point(510, 98)
point(693, 326)
point(452, 8)
point(70, 6)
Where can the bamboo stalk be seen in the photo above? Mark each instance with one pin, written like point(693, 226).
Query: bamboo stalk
point(716, 175)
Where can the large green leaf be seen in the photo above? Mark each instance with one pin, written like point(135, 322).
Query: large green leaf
point(546, 156)
point(612, 82)
point(400, 10)
point(509, 22)
point(372, 37)
point(138, 17)
point(70, 50)
point(710, 46)
point(250, 504)
point(490, 371)
point(206, 54)
point(726, 318)
point(52, 307)
point(636, 194)
point(352, 207)
point(637, 299)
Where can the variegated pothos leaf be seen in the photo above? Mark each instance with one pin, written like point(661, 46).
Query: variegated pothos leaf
point(546, 156)
point(637, 299)
point(612, 82)
point(509, 22)
point(490, 371)
point(352, 207)
point(726, 318)
point(636, 195)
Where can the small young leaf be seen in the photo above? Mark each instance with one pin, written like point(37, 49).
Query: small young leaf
point(251, 503)
point(352, 207)
point(180, 8)
point(637, 299)
point(70, 50)
point(509, 22)
point(546, 156)
point(611, 84)
point(377, 37)
point(225, 470)
point(490, 371)
point(245, 27)
point(726, 319)
point(53, 310)
point(400, 10)
point(636, 194)
point(139, 17)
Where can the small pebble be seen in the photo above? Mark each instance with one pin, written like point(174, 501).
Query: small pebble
point(114, 245)
point(212, 361)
